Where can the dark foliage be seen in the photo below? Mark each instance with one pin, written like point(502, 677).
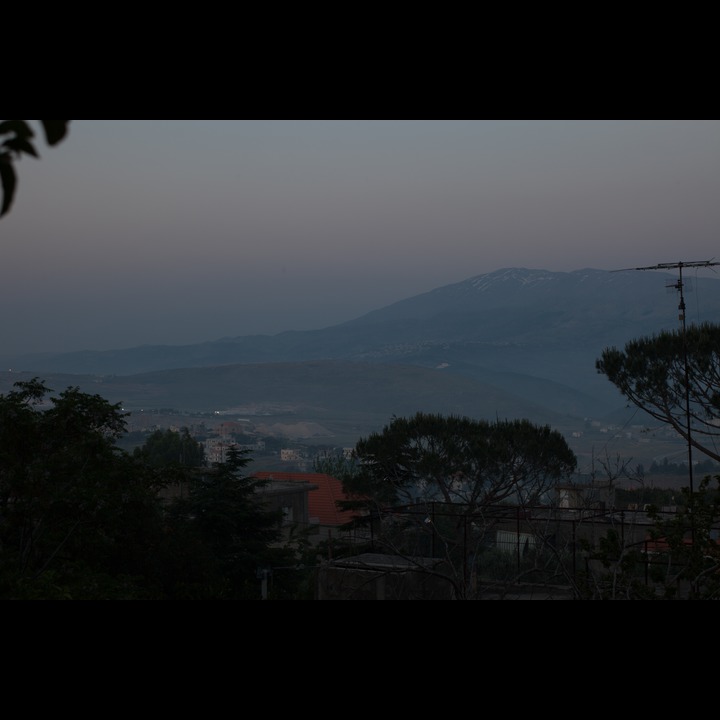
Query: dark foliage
point(167, 447)
point(458, 460)
point(82, 519)
point(673, 375)
point(18, 143)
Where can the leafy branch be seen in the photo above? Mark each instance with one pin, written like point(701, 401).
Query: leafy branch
point(18, 142)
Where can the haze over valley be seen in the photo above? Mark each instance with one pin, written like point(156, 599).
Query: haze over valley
point(515, 343)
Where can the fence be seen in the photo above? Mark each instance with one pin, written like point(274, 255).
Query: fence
point(509, 545)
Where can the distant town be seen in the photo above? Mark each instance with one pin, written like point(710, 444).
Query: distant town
point(658, 453)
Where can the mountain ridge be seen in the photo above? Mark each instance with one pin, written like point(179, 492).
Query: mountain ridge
point(515, 330)
point(538, 294)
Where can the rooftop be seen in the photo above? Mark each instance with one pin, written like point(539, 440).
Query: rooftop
point(322, 496)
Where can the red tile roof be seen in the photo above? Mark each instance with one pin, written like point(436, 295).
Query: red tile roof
point(321, 502)
point(661, 544)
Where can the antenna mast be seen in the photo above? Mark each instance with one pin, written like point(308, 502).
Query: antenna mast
point(681, 307)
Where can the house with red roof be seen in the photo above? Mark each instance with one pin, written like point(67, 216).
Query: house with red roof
point(323, 493)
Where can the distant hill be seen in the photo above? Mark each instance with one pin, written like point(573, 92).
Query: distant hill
point(346, 398)
point(512, 343)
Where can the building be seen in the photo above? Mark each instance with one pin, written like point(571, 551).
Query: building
point(324, 516)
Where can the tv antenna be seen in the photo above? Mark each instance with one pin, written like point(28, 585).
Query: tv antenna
point(681, 307)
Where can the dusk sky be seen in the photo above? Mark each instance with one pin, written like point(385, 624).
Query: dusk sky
point(171, 232)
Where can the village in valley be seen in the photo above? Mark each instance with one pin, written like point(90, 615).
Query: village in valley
point(277, 440)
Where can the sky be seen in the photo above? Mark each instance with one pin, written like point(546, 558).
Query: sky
point(174, 232)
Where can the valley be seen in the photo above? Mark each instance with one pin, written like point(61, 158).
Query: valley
point(513, 344)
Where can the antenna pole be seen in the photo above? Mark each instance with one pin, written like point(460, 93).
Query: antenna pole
point(681, 307)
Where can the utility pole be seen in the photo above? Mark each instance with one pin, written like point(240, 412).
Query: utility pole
point(681, 307)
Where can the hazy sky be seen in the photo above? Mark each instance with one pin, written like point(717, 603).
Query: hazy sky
point(134, 232)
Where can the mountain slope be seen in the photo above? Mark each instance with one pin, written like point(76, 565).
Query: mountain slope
point(529, 333)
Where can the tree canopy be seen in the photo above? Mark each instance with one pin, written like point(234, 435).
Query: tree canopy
point(452, 459)
point(18, 142)
point(77, 513)
point(431, 488)
point(81, 518)
point(168, 447)
point(225, 531)
point(668, 374)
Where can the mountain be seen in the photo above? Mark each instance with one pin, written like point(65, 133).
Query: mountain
point(512, 341)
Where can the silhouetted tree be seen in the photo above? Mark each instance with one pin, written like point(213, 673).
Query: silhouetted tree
point(77, 515)
point(453, 459)
point(661, 373)
point(224, 532)
point(18, 142)
point(81, 518)
point(428, 486)
point(167, 447)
